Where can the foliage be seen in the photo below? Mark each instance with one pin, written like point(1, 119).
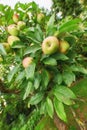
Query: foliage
point(68, 8)
point(44, 86)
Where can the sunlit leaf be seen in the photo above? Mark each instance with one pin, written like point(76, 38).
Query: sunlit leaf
point(12, 73)
point(59, 108)
point(49, 107)
point(68, 77)
point(36, 99)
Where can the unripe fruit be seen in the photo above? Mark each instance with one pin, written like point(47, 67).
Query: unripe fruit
point(15, 18)
point(12, 29)
point(64, 46)
point(40, 17)
point(27, 61)
point(12, 39)
point(50, 45)
point(21, 25)
point(6, 46)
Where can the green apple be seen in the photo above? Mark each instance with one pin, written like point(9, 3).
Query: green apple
point(15, 18)
point(12, 29)
point(50, 45)
point(21, 25)
point(6, 46)
point(12, 39)
point(27, 61)
point(64, 46)
point(40, 17)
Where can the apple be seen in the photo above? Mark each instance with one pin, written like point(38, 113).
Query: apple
point(15, 18)
point(21, 25)
point(12, 29)
point(40, 17)
point(50, 45)
point(27, 61)
point(12, 39)
point(6, 46)
point(64, 46)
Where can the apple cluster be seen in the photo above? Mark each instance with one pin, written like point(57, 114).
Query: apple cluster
point(13, 31)
point(52, 44)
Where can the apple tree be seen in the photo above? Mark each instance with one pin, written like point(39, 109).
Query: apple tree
point(41, 58)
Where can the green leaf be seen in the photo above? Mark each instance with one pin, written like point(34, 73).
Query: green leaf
point(64, 91)
point(27, 90)
point(38, 29)
point(51, 21)
point(50, 61)
point(31, 36)
point(12, 73)
point(36, 98)
point(59, 108)
point(20, 76)
point(17, 44)
point(69, 26)
point(60, 56)
point(34, 35)
point(43, 108)
point(58, 78)
point(29, 71)
point(45, 78)
point(51, 30)
point(63, 98)
point(38, 33)
point(49, 107)
point(50, 26)
point(68, 77)
point(32, 49)
point(2, 50)
point(37, 80)
point(41, 125)
point(78, 68)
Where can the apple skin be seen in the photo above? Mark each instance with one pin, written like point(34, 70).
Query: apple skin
point(27, 61)
point(50, 45)
point(6, 46)
point(40, 17)
point(15, 18)
point(12, 39)
point(64, 46)
point(21, 25)
point(12, 29)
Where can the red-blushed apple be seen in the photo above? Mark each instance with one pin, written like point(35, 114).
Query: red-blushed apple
point(27, 61)
point(6, 46)
point(16, 18)
point(50, 45)
point(64, 46)
point(12, 39)
point(40, 17)
point(12, 29)
point(21, 25)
